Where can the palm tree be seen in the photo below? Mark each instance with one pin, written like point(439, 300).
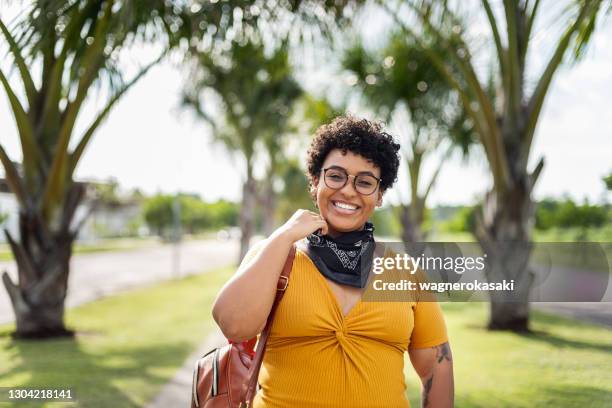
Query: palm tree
point(283, 92)
point(71, 47)
point(434, 116)
point(505, 125)
point(310, 112)
point(300, 22)
point(256, 92)
point(61, 50)
point(315, 111)
point(295, 192)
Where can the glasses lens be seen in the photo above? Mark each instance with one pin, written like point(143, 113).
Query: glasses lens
point(335, 179)
point(365, 184)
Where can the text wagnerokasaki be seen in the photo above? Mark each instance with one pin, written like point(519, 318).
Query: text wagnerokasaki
point(440, 287)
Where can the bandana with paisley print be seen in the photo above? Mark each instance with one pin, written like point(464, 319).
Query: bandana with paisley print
point(346, 259)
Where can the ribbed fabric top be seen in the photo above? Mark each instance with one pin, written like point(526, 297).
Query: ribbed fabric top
point(317, 357)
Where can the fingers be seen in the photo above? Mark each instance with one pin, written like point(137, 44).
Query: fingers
point(312, 217)
point(323, 225)
point(314, 214)
point(324, 228)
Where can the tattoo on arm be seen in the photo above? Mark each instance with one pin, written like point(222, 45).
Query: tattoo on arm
point(426, 389)
point(443, 353)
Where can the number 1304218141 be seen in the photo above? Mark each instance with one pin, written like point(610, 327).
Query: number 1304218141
point(8, 394)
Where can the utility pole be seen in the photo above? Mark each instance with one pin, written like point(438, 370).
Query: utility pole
point(176, 237)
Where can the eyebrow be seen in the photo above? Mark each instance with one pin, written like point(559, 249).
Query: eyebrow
point(369, 173)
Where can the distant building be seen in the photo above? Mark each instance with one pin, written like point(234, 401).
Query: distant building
point(10, 209)
point(112, 220)
point(106, 219)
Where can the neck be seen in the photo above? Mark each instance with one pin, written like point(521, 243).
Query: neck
point(332, 232)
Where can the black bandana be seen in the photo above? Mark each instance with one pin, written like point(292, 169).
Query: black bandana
point(346, 259)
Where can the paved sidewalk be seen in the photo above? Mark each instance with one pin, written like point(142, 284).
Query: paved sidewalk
point(593, 312)
point(177, 392)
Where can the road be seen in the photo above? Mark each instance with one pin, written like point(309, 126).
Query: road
point(102, 274)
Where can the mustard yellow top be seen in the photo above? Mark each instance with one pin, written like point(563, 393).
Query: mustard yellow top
point(316, 357)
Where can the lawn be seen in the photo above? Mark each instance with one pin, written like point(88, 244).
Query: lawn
point(131, 344)
point(563, 364)
point(128, 345)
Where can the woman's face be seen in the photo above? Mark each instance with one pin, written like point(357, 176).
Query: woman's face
point(357, 207)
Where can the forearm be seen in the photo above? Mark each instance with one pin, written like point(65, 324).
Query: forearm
point(243, 304)
point(435, 368)
point(438, 388)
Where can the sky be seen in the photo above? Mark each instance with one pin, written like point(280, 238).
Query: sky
point(148, 142)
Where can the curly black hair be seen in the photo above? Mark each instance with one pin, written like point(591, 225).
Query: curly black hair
point(358, 136)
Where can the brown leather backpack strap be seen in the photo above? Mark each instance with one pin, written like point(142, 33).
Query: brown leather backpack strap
point(283, 282)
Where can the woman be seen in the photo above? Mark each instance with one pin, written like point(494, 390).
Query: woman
point(326, 347)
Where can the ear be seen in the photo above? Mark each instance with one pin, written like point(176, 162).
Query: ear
point(315, 184)
point(379, 198)
point(313, 190)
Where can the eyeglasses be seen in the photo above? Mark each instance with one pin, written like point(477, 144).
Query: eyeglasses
point(337, 177)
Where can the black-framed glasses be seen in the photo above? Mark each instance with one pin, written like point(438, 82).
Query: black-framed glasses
point(337, 177)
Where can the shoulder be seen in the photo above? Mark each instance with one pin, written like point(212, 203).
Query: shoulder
point(253, 251)
point(300, 253)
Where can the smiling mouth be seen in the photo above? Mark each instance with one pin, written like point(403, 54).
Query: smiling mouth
point(345, 206)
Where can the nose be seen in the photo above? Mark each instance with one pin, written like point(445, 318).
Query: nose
point(349, 188)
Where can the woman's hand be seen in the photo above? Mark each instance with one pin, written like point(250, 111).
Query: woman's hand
point(303, 223)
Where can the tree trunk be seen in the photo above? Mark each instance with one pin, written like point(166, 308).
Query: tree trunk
point(412, 218)
point(503, 230)
point(247, 214)
point(42, 254)
point(269, 209)
point(43, 264)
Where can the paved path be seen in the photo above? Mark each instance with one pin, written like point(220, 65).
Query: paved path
point(102, 274)
point(599, 313)
point(177, 392)
point(579, 283)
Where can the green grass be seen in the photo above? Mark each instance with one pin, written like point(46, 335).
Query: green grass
point(131, 344)
point(601, 234)
point(564, 364)
point(443, 236)
point(128, 345)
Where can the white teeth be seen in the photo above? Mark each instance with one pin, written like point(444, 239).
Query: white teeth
point(345, 206)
